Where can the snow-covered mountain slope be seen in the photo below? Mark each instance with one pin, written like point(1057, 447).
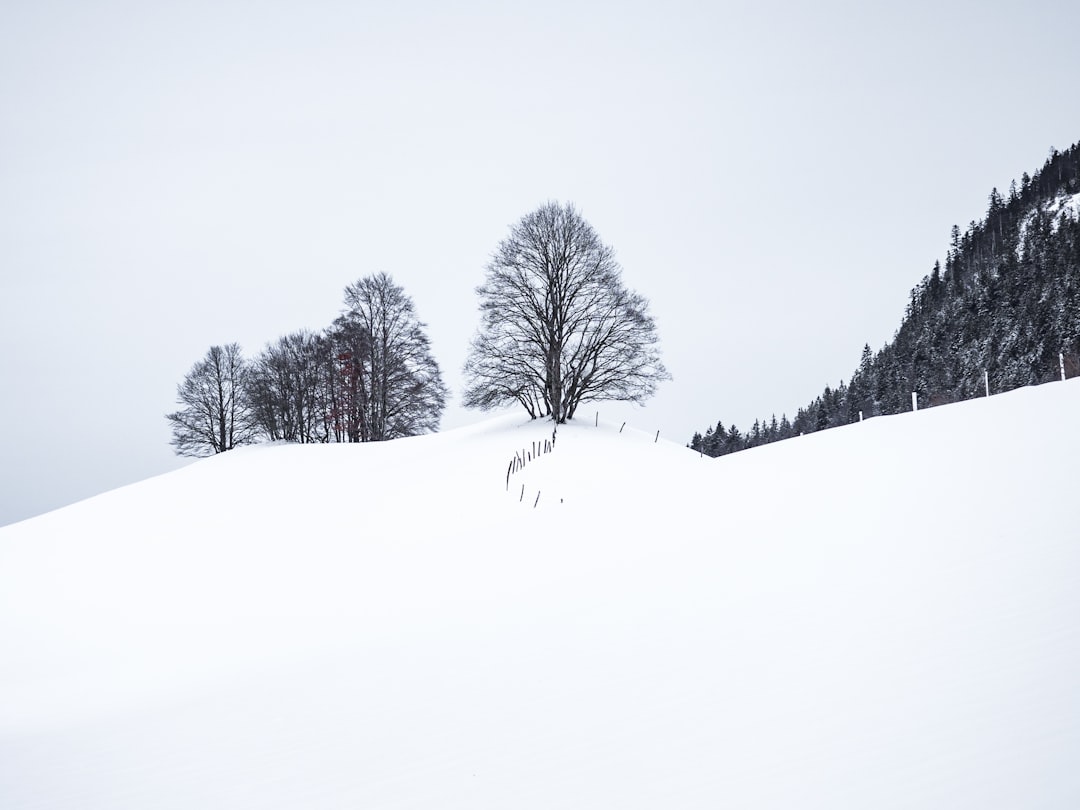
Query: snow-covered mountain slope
point(883, 615)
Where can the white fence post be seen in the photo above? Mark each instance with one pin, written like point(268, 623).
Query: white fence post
point(914, 401)
point(986, 379)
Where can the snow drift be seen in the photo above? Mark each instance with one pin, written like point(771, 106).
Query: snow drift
point(879, 615)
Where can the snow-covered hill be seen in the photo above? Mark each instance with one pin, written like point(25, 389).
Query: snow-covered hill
point(883, 615)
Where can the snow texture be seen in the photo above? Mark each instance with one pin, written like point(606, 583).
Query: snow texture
point(1064, 206)
point(882, 615)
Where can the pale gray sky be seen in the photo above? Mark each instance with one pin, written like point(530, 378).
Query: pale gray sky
point(774, 177)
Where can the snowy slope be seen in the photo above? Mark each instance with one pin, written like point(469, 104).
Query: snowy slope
point(882, 615)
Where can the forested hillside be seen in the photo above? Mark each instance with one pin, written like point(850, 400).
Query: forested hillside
point(1004, 312)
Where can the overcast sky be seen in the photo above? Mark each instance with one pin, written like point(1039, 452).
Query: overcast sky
point(774, 177)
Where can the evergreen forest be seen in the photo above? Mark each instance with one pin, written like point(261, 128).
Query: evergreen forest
point(1003, 312)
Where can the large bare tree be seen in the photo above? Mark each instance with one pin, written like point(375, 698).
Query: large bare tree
point(215, 416)
point(558, 327)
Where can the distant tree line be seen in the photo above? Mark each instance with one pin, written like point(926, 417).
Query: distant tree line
point(370, 376)
point(558, 328)
point(1002, 309)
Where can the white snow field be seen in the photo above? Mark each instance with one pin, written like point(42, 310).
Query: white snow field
point(885, 615)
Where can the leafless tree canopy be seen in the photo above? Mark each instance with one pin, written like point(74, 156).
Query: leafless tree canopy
point(287, 388)
point(393, 386)
point(370, 377)
point(558, 327)
point(215, 416)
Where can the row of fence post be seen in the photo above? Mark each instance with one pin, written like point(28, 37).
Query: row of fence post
point(537, 449)
point(527, 454)
point(986, 383)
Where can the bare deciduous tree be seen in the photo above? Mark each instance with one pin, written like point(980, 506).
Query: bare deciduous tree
point(391, 380)
point(347, 380)
point(215, 416)
point(558, 327)
point(286, 389)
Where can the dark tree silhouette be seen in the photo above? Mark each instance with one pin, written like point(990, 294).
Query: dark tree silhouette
point(215, 416)
point(390, 381)
point(286, 388)
point(558, 327)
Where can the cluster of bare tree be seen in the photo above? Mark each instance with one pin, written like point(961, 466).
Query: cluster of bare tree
point(558, 328)
point(369, 377)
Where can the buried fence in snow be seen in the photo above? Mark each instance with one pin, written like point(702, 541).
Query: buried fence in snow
point(526, 455)
point(539, 448)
